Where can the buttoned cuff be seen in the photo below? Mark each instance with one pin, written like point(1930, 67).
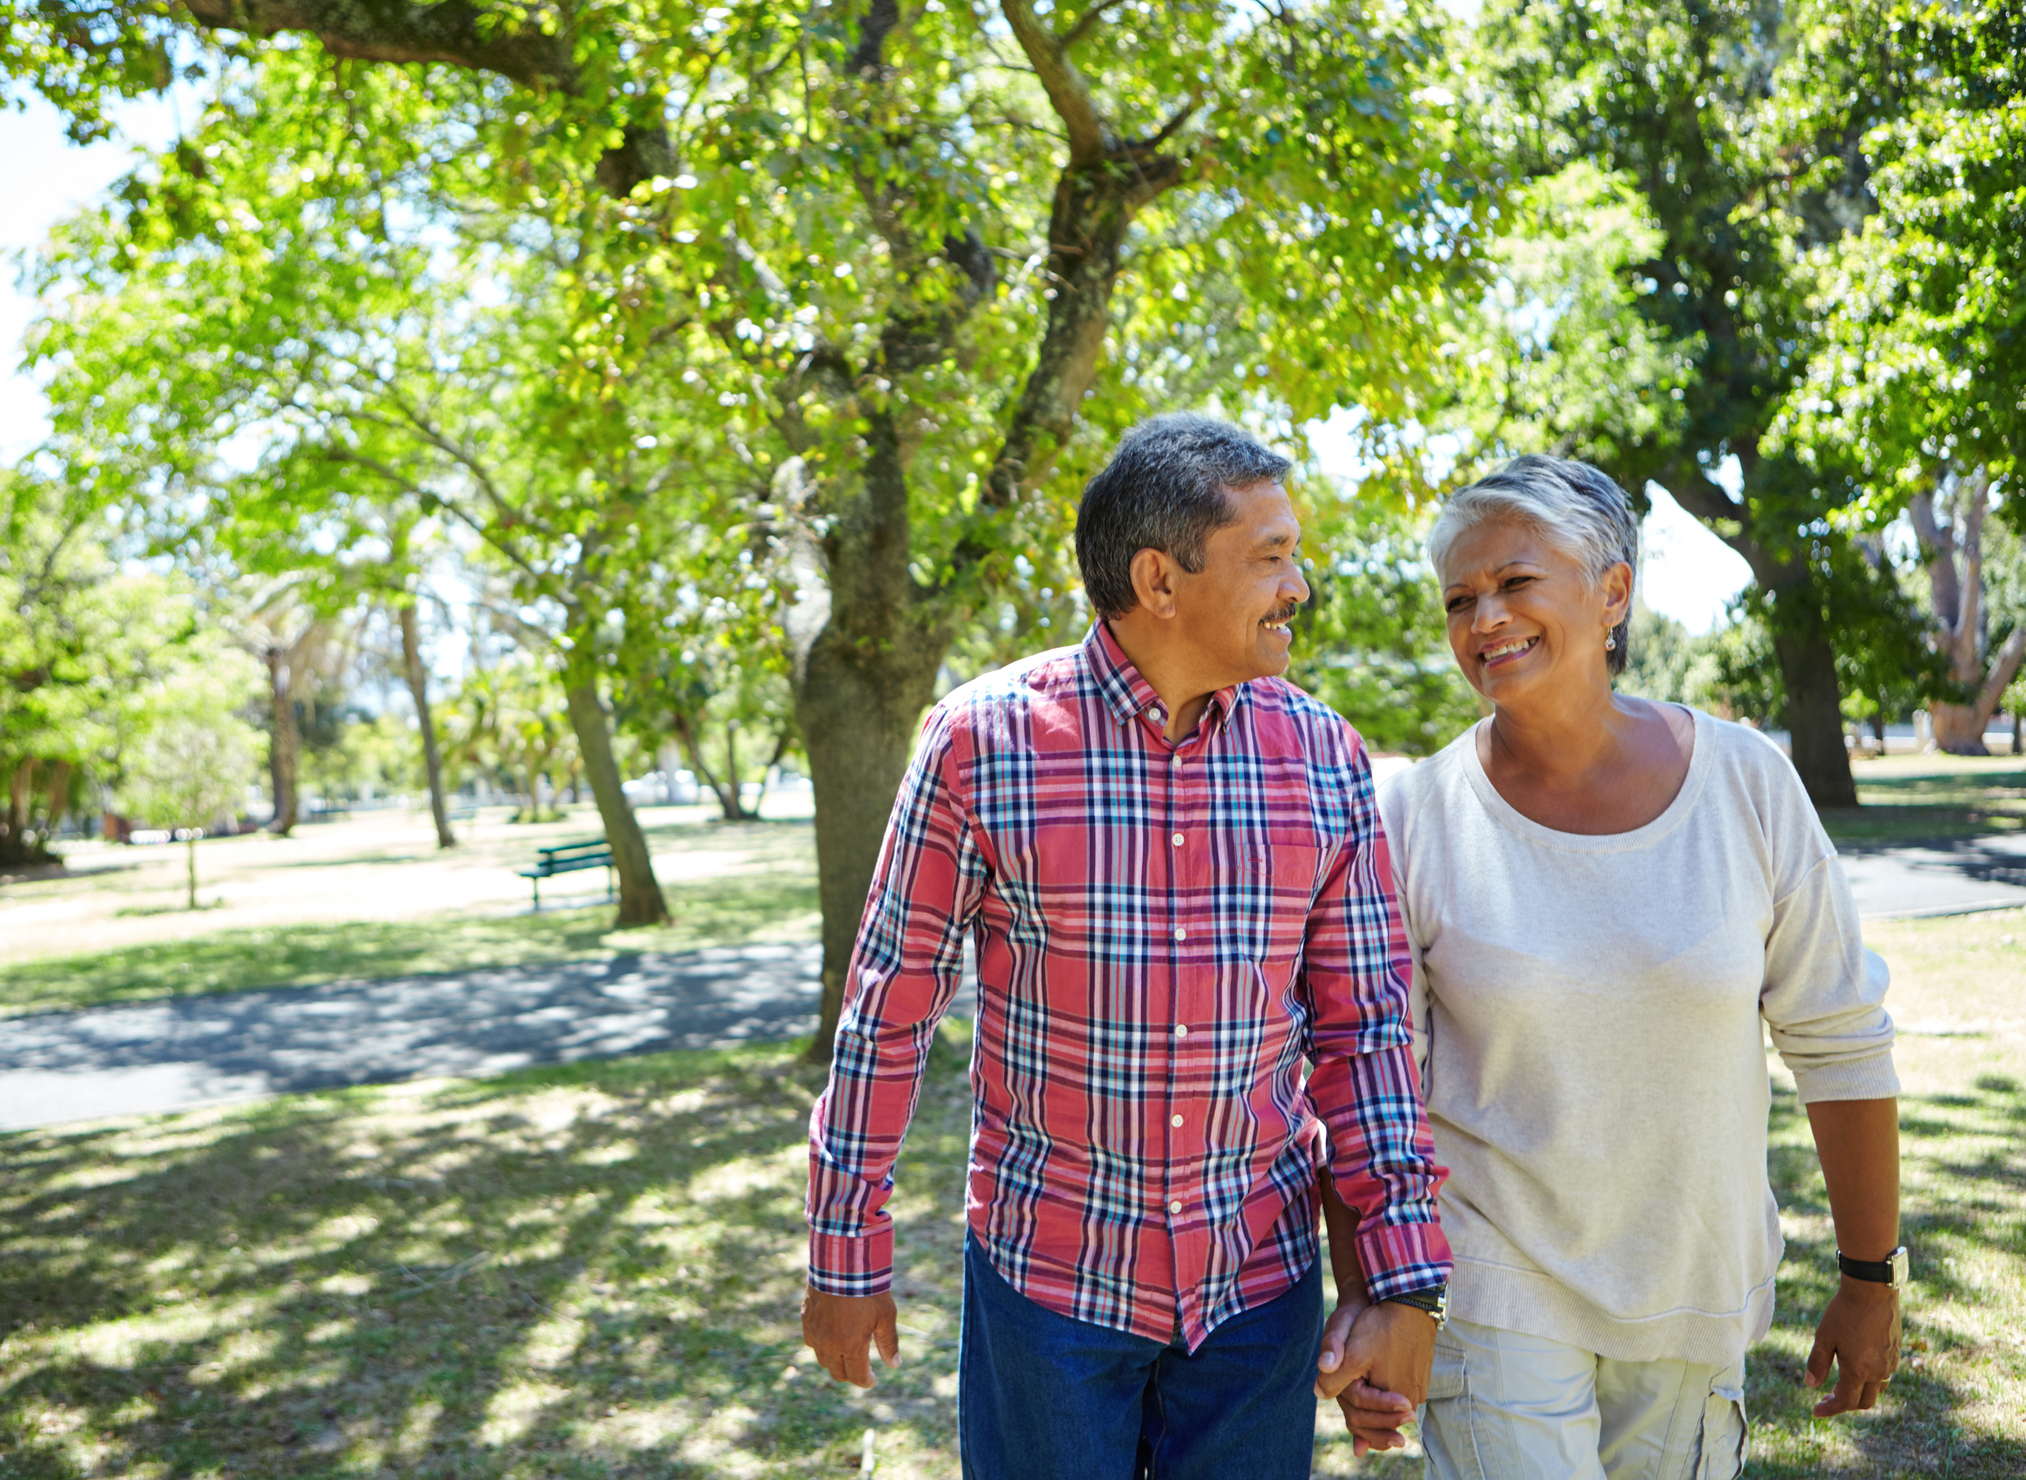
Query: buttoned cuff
point(1401, 1258)
point(840, 1265)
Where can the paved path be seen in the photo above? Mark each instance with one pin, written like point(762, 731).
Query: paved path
point(179, 1054)
point(1987, 873)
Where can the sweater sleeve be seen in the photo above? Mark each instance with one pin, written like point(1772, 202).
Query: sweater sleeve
point(1824, 995)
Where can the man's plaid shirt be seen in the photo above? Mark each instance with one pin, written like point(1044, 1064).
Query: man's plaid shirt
point(1165, 932)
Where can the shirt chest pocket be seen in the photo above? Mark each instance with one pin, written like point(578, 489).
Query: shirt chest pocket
point(1281, 871)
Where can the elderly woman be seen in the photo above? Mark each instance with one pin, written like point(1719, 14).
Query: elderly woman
point(1604, 898)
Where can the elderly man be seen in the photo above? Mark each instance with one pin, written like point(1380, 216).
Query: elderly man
point(1175, 876)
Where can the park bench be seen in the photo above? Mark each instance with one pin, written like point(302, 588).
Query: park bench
point(567, 858)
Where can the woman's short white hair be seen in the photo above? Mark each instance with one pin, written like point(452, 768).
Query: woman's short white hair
point(1570, 504)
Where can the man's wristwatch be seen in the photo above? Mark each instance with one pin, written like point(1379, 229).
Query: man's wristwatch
point(1432, 1301)
point(1891, 1270)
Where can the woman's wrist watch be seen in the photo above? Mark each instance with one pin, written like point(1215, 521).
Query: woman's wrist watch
point(1432, 1301)
point(1892, 1270)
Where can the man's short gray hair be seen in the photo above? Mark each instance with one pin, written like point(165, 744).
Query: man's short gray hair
point(1572, 505)
point(1163, 490)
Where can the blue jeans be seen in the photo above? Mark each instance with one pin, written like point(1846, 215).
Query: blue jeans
point(1042, 1396)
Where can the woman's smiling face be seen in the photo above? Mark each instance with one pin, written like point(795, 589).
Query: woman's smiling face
point(1525, 617)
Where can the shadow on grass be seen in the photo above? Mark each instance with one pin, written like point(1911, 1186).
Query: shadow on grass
point(1930, 808)
point(732, 909)
point(589, 1271)
point(1943, 1413)
point(1946, 786)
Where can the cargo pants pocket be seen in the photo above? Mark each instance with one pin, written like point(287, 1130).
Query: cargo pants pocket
point(1726, 1432)
point(1448, 1431)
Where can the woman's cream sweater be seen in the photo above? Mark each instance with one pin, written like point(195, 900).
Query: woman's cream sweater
point(1587, 1012)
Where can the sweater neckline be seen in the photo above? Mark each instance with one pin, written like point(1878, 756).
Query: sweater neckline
point(1671, 816)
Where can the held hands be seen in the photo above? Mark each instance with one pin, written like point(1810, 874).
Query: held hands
point(1859, 1333)
point(1374, 1361)
point(838, 1328)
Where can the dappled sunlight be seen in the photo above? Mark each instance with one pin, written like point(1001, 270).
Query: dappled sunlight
point(596, 1270)
point(1954, 1408)
point(513, 1278)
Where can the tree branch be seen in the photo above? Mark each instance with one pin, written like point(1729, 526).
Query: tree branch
point(1068, 91)
point(880, 22)
point(454, 31)
point(1085, 21)
point(2004, 668)
point(1938, 553)
point(458, 33)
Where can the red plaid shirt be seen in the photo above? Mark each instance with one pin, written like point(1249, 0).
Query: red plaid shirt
point(1165, 933)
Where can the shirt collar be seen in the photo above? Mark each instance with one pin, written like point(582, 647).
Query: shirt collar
point(1125, 689)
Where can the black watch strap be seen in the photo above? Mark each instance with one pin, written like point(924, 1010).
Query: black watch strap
point(1891, 1270)
point(1432, 1301)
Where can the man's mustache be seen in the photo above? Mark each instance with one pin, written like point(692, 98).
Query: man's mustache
point(1286, 615)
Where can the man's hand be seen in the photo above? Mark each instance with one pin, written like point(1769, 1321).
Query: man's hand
point(838, 1328)
point(1374, 1362)
point(1859, 1333)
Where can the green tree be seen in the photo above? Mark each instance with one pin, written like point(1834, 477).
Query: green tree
point(1373, 637)
point(1660, 657)
point(513, 721)
point(887, 280)
point(1737, 129)
point(1916, 380)
point(195, 760)
point(85, 649)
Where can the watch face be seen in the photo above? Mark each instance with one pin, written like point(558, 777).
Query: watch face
point(1900, 1266)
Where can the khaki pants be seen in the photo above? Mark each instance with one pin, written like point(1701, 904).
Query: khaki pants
point(1503, 1406)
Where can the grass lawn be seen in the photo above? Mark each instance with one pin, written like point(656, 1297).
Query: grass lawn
point(1919, 798)
point(779, 903)
point(594, 1271)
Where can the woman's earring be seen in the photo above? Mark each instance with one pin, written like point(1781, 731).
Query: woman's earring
point(1610, 641)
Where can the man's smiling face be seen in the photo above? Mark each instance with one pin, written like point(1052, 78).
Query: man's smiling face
point(1235, 611)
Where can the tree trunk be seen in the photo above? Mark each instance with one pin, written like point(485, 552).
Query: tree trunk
point(59, 799)
point(1815, 718)
point(767, 771)
point(858, 710)
point(1959, 728)
point(640, 899)
point(283, 744)
point(17, 807)
point(726, 791)
point(1807, 659)
point(191, 857)
point(432, 760)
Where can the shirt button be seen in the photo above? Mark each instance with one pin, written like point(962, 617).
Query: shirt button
point(1178, 840)
point(1181, 1030)
point(1176, 763)
point(1175, 1120)
point(1174, 1207)
point(1180, 933)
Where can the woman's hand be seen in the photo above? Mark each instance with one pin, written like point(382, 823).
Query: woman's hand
point(1858, 1142)
point(1859, 1334)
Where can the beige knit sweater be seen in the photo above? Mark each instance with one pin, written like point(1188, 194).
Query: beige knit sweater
point(1587, 1012)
